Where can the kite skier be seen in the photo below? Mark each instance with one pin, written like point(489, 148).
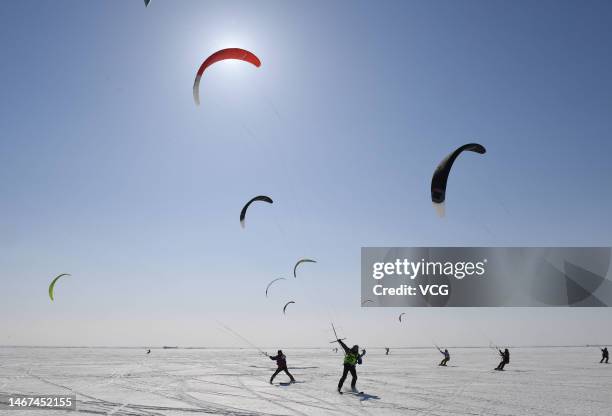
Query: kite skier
point(352, 357)
point(446, 358)
point(281, 363)
point(505, 354)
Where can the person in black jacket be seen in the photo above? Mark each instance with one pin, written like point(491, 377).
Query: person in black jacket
point(281, 363)
point(604, 355)
point(446, 358)
point(505, 354)
point(352, 357)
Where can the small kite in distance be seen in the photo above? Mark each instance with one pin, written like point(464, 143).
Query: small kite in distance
point(300, 262)
point(287, 304)
point(243, 212)
point(52, 285)
point(400, 316)
point(270, 284)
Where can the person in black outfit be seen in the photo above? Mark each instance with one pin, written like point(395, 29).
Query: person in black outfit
point(604, 355)
point(281, 363)
point(351, 359)
point(505, 354)
point(446, 358)
point(386, 350)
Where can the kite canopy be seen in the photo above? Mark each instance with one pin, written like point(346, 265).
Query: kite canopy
point(287, 304)
point(300, 262)
point(230, 53)
point(262, 198)
point(270, 284)
point(400, 316)
point(147, 2)
point(52, 285)
point(366, 301)
point(440, 176)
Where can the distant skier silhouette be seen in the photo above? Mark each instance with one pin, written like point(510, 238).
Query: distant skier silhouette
point(604, 355)
point(386, 351)
point(446, 358)
point(281, 363)
point(351, 359)
point(505, 354)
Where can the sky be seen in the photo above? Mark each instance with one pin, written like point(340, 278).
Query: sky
point(112, 174)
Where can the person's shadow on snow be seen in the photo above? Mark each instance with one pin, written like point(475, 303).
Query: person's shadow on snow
point(365, 396)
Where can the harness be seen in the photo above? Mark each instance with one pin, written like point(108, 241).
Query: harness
point(351, 358)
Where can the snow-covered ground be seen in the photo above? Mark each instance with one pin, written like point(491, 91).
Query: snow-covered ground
point(538, 381)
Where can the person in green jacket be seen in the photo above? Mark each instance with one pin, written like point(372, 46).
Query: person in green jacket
point(352, 357)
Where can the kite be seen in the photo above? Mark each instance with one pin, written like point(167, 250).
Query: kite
point(230, 53)
point(52, 285)
point(287, 304)
point(300, 262)
point(262, 198)
point(270, 284)
point(440, 176)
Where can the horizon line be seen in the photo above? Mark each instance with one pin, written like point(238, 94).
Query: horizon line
point(166, 347)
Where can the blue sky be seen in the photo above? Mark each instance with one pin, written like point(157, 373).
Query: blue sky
point(111, 173)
